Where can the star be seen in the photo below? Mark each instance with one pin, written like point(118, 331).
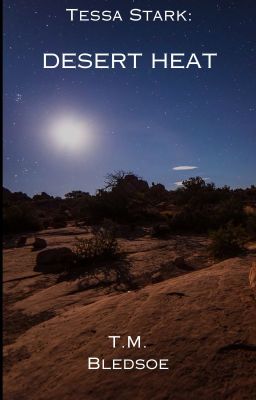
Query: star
point(18, 97)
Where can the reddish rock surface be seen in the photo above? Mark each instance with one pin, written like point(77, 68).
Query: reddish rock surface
point(203, 321)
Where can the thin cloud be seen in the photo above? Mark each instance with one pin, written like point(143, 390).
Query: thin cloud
point(184, 168)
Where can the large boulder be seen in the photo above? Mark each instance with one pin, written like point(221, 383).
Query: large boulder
point(54, 260)
point(181, 263)
point(39, 244)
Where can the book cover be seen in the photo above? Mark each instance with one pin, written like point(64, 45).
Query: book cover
point(129, 199)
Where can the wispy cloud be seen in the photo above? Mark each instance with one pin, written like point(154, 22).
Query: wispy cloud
point(184, 168)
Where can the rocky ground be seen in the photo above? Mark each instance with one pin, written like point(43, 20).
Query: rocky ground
point(199, 315)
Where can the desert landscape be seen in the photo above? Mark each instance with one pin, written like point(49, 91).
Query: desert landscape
point(188, 293)
point(129, 200)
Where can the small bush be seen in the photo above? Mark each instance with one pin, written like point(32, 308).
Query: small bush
point(59, 221)
point(100, 247)
point(161, 231)
point(228, 242)
point(191, 219)
point(251, 225)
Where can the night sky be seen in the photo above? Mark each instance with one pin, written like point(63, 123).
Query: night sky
point(144, 120)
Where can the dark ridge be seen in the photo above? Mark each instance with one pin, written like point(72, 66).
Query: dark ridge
point(179, 294)
point(237, 346)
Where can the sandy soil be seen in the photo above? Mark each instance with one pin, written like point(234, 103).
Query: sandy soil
point(203, 320)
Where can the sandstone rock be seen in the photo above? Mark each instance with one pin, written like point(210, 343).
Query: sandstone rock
point(39, 244)
point(252, 277)
point(181, 263)
point(54, 260)
point(157, 277)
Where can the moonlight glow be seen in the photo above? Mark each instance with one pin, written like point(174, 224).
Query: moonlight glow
point(70, 133)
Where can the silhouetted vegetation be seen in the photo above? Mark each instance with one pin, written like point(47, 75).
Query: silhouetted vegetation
point(59, 221)
point(161, 231)
point(228, 241)
point(199, 217)
point(126, 199)
point(102, 246)
point(21, 218)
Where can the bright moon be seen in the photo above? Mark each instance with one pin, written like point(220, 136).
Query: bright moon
point(71, 133)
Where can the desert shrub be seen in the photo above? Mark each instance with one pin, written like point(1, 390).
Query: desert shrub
point(161, 231)
point(228, 241)
point(251, 225)
point(191, 219)
point(103, 245)
point(106, 205)
point(108, 225)
point(18, 219)
point(202, 218)
point(59, 221)
point(230, 210)
point(124, 200)
point(157, 193)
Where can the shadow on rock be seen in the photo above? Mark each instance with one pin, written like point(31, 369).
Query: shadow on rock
point(102, 273)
